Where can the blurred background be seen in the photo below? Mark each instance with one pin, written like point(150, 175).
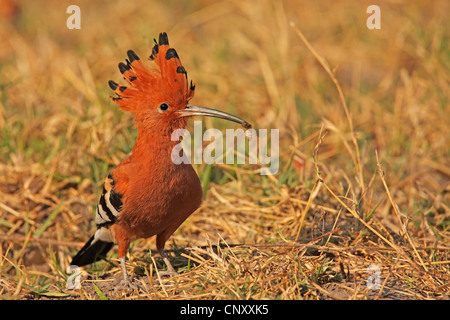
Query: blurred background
point(60, 134)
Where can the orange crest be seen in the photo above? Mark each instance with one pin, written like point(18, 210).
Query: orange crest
point(156, 88)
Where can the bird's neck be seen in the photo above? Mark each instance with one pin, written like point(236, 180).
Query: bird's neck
point(151, 145)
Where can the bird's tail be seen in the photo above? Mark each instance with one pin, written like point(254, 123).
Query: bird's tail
point(94, 250)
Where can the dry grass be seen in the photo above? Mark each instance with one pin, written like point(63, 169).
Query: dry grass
point(364, 148)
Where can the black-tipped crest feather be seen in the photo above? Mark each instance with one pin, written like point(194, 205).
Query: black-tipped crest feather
point(123, 67)
point(163, 39)
point(171, 53)
point(132, 56)
point(113, 85)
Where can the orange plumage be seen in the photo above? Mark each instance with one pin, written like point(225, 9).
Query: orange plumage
point(147, 194)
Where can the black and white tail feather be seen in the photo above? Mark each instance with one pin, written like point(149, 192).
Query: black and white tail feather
point(108, 209)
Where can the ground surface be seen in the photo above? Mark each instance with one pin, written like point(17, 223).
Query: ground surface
point(360, 206)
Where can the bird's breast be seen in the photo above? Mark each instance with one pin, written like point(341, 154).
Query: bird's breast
point(160, 197)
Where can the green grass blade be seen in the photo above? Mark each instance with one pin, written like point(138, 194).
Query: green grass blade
point(99, 292)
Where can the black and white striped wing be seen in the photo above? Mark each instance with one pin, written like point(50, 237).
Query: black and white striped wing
point(108, 209)
point(109, 205)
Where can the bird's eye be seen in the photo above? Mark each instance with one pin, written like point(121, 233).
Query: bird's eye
point(163, 107)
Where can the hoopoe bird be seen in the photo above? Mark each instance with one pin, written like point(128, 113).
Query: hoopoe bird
point(147, 194)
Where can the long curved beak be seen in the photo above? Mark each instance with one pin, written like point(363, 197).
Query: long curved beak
point(191, 110)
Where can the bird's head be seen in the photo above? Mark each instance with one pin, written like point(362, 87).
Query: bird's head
point(158, 95)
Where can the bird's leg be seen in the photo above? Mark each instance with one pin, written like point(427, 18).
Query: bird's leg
point(170, 269)
point(125, 282)
point(124, 269)
point(124, 243)
point(160, 242)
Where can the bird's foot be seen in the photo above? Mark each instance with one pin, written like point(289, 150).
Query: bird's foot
point(168, 273)
point(126, 285)
point(171, 272)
